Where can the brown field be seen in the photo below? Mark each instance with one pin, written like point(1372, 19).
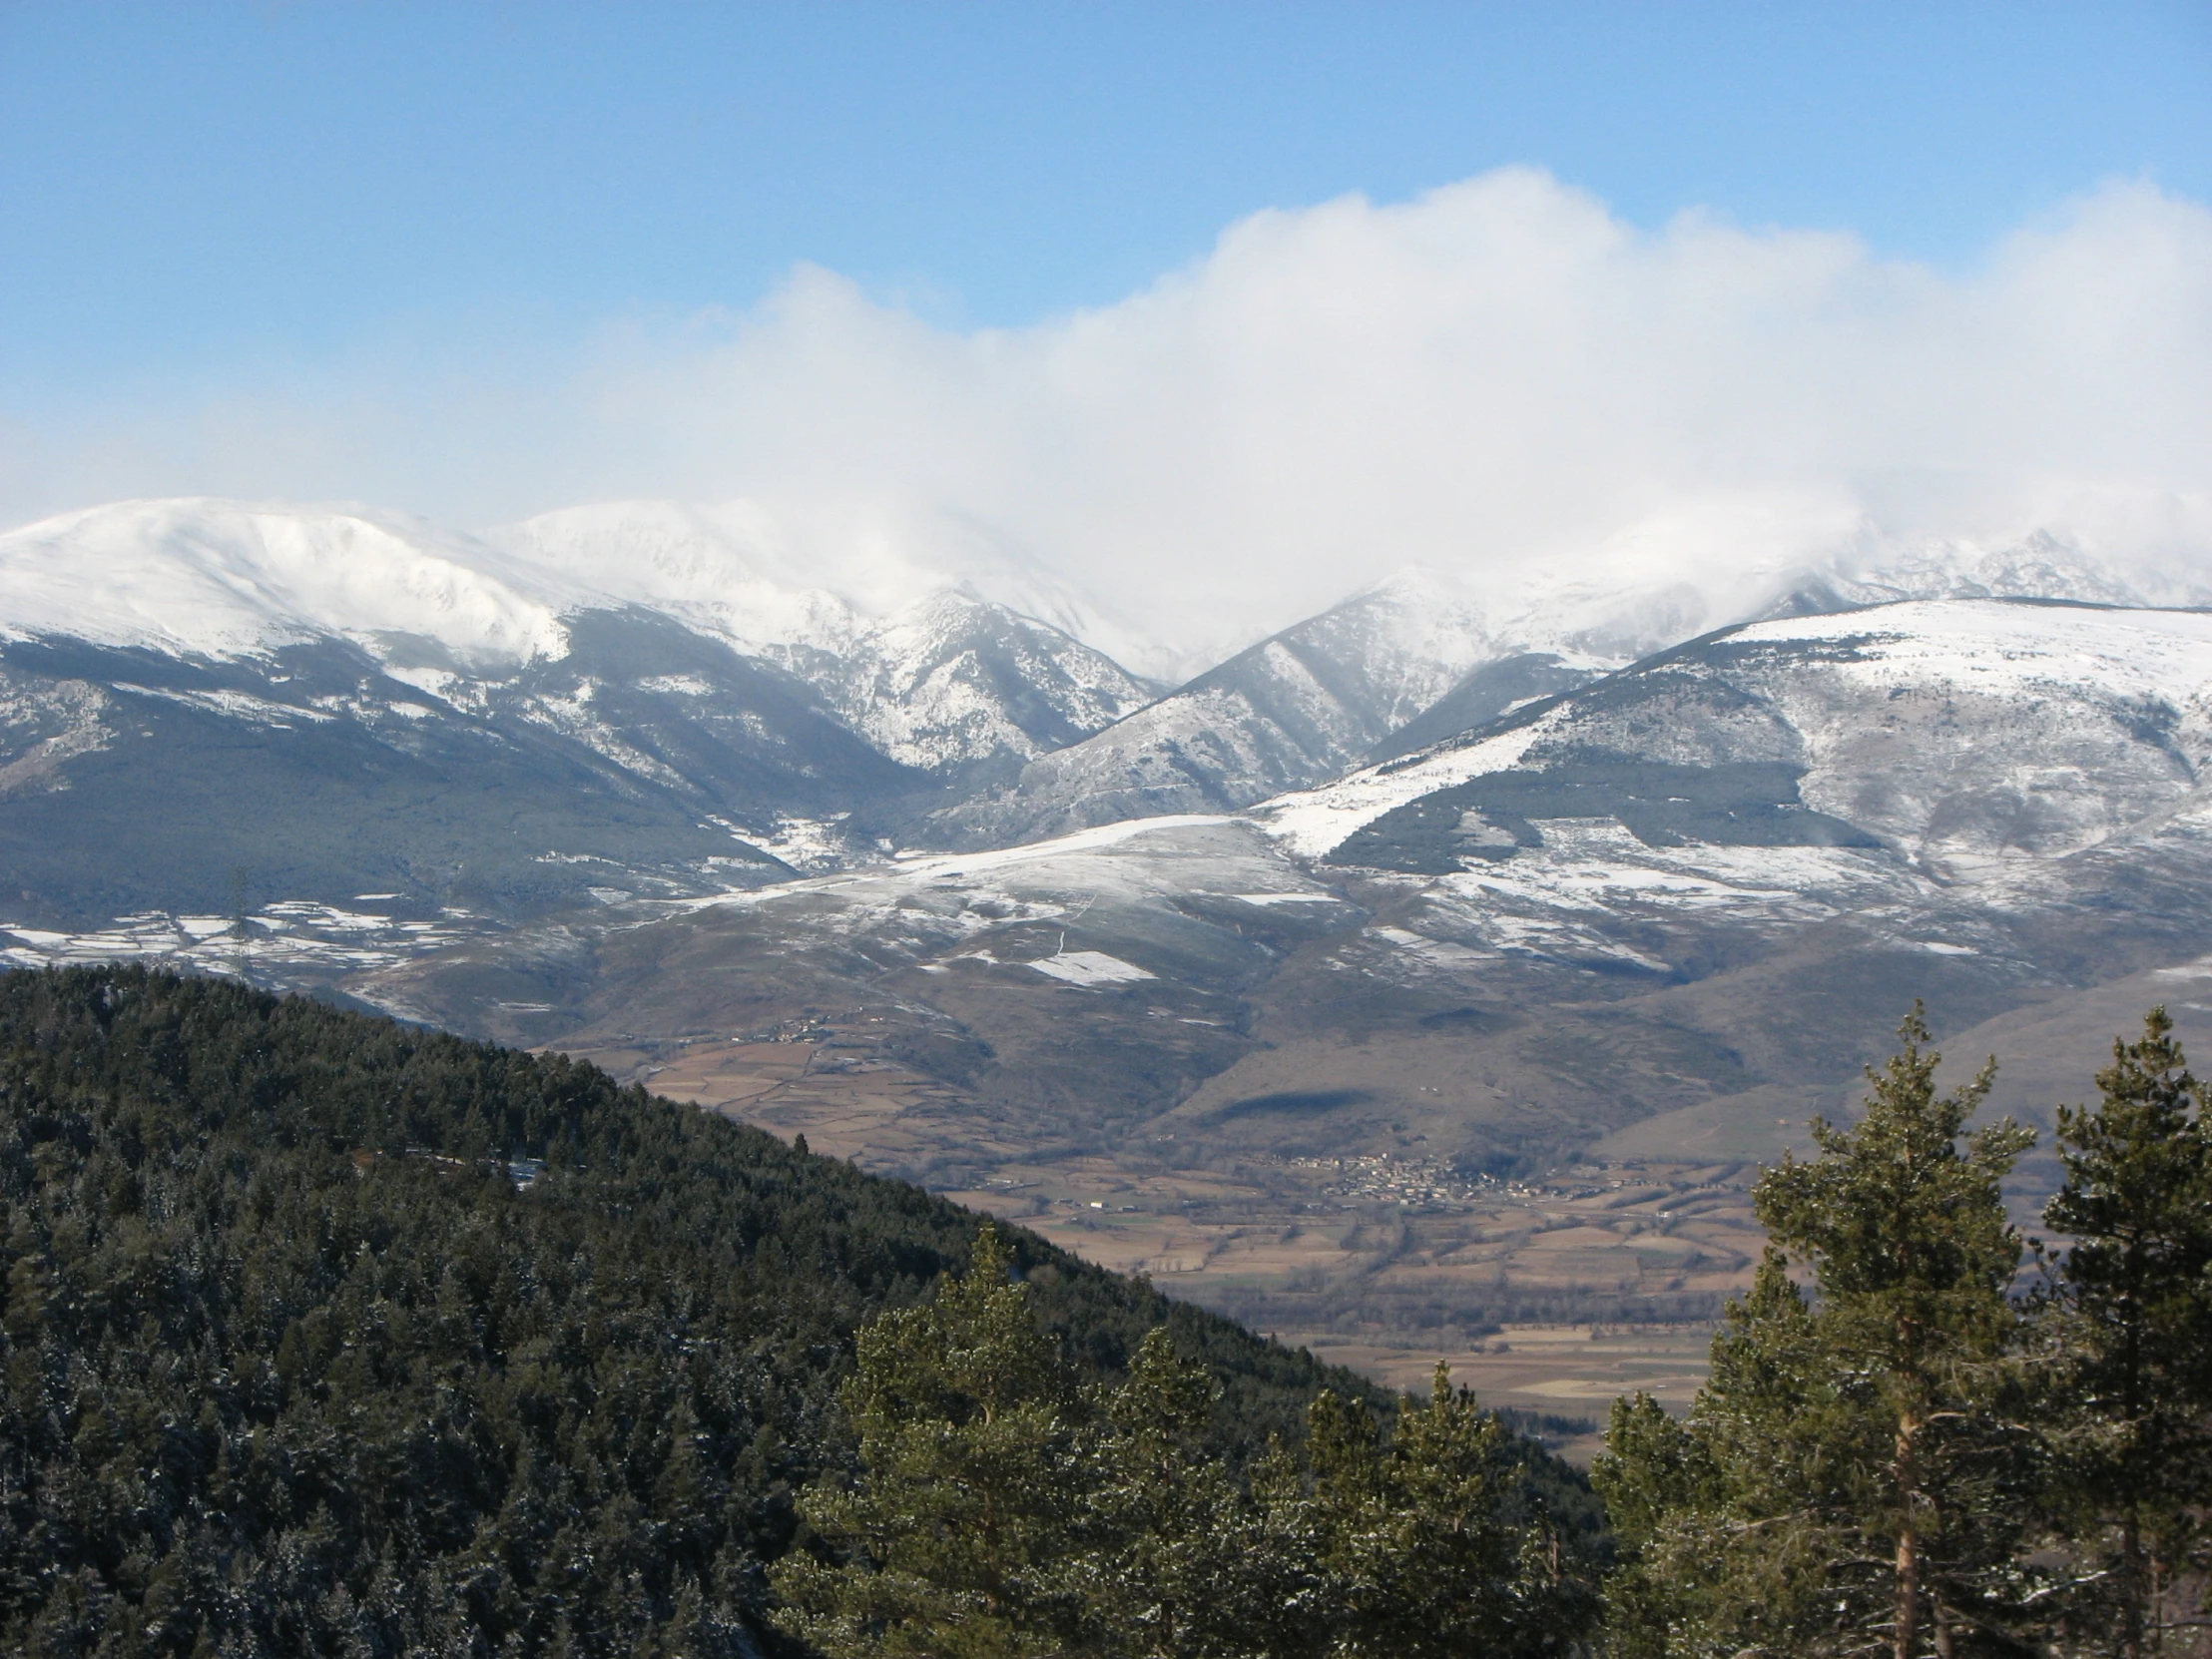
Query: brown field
point(1567, 1371)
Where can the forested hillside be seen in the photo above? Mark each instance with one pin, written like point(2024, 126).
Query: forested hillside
point(322, 1334)
point(326, 1334)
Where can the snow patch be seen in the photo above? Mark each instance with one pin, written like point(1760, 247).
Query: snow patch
point(236, 705)
point(1089, 967)
point(1317, 821)
point(807, 845)
point(1094, 840)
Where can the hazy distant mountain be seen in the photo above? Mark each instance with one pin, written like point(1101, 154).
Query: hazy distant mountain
point(1421, 656)
point(2039, 566)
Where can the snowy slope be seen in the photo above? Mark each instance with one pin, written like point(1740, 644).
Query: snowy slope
point(1957, 732)
point(225, 578)
point(956, 679)
point(1298, 707)
point(966, 657)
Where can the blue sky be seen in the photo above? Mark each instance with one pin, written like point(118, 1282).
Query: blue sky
point(194, 192)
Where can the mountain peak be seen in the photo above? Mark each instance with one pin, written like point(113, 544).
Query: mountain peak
point(218, 578)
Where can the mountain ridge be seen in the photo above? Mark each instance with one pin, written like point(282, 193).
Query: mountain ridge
point(1563, 906)
point(620, 753)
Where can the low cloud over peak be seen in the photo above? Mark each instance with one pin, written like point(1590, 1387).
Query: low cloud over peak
point(1499, 379)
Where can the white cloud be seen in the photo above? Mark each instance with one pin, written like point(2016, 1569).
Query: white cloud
point(1500, 378)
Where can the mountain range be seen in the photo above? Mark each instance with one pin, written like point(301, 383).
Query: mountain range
point(1440, 873)
point(198, 696)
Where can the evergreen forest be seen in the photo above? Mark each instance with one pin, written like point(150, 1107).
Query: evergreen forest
point(326, 1334)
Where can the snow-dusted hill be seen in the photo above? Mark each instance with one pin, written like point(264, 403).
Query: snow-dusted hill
point(940, 664)
point(1962, 734)
point(1298, 707)
point(643, 698)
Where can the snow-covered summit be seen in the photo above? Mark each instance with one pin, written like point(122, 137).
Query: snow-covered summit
point(2041, 565)
point(765, 575)
point(924, 667)
point(1951, 729)
point(1636, 594)
point(940, 657)
point(230, 578)
point(727, 571)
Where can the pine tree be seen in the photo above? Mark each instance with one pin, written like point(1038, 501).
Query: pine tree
point(2130, 1328)
point(1419, 1536)
point(1912, 1255)
point(1741, 1528)
point(1846, 1476)
point(977, 1443)
point(1184, 1564)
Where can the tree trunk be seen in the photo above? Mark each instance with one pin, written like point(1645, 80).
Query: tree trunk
point(1907, 1629)
point(1908, 1594)
point(2131, 1585)
point(2131, 1521)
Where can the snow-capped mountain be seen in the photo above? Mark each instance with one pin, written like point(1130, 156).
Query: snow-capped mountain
point(928, 671)
point(1298, 707)
point(643, 698)
point(921, 659)
point(333, 699)
point(1960, 735)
